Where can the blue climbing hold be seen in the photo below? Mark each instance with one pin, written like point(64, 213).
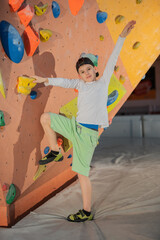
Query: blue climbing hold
point(55, 9)
point(112, 97)
point(69, 156)
point(33, 94)
point(11, 41)
point(71, 164)
point(46, 150)
point(101, 16)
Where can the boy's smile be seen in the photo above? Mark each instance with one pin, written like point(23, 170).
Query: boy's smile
point(87, 73)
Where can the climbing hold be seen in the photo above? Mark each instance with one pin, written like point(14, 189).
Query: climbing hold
point(46, 150)
point(25, 84)
point(40, 10)
point(136, 45)
point(41, 169)
point(33, 94)
point(55, 9)
point(116, 68)
point(4, 187)
point(15, 5)
point(2, 122)
point(11, 42)
point(112, 97)
point(26, 14)
point(138, 1)
point(31, 40)
point(59, 141)
point(1, 86)
point(70, 156)
point(75, 6)
point(119, 19)
point(101, 16)
point(101, 37)
point(71, 164)
point(122, 79)
point(11, 194)
point(76, 90)
point(45, 34)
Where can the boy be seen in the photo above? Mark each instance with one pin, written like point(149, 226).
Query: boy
point(92, 113)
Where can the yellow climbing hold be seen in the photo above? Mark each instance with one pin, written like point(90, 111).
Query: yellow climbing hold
point(119, 19)
point(40, 10)
point(136, 45)
point(116, 68)
point(101, 37)
point(138, 1)
point(25, 84)
point(1, 86)
point(45, 34)
point(122, 79)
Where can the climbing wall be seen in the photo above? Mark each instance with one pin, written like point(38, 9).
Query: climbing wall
point(71, 30)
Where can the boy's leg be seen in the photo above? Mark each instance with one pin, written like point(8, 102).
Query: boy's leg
point(52, 124)
point(50, 133)
point(86, 190)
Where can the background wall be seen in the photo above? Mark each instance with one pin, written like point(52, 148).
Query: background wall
point(145, 105)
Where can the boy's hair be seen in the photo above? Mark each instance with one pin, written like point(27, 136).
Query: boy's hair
point(86, 60)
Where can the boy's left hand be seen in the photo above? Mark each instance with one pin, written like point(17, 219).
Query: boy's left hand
point(127, 28)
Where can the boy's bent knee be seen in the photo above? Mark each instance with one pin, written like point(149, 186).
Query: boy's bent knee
point(45, 118)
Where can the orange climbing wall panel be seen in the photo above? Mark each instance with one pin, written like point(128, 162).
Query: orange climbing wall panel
point(22, 140)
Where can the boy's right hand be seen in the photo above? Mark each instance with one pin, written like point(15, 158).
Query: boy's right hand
point(40, 79)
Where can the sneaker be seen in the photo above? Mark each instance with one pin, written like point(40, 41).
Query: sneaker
point(51, 157)
point(79, 217)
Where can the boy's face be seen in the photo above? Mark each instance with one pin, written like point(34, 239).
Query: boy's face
point(87, 73)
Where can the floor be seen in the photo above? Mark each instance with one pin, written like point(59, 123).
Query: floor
point(125, 177)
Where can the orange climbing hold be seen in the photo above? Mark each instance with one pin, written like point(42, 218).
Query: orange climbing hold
point(15, 4)
point(76, 90)
point(75, 6)
point(59, 142)
point(26, 14)
point(31, 40)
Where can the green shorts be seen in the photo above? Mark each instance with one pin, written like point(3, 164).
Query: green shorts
point(84, 141)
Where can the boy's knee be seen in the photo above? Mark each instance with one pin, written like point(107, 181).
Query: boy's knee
point(45, 118)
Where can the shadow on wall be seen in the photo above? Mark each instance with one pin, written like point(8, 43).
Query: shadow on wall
point(30, 130)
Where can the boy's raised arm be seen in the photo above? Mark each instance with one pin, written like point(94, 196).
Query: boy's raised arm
point(116, 51)
point(108, 71)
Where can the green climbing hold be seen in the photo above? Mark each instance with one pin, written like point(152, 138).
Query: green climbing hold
point(2, 122)
point(11, 194)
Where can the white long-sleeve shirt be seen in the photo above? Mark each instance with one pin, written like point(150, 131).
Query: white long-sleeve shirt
point(92, 96)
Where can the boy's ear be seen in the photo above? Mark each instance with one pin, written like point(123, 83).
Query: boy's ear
point(96, 69)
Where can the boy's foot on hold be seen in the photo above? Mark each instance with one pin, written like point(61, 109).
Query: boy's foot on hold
point(50, 157)
point(80, 217)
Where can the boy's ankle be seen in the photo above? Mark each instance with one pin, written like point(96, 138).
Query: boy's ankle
point(55, 149)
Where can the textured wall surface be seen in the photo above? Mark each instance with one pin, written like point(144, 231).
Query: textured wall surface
point(22, 140)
